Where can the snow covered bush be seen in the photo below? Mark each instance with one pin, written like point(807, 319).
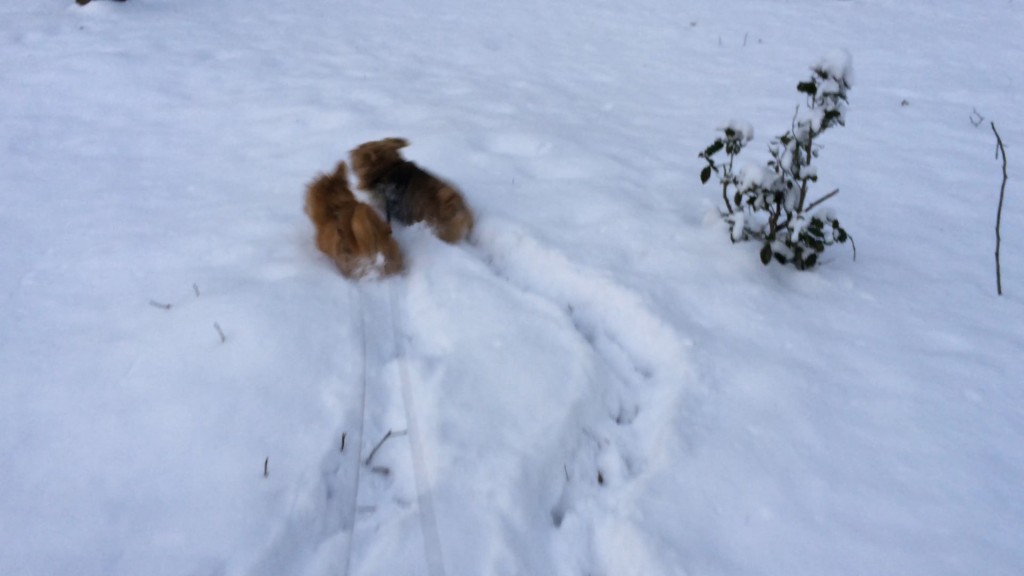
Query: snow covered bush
point(771, 204)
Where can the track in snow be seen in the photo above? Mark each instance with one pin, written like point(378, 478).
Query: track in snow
point(625, 377)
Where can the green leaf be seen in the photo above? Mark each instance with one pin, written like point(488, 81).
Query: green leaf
point(711, 150)
point(705, 175)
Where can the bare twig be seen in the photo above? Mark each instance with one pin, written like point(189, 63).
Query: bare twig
point(976, 114)
point(1000, 150)
point(343, 436)
point(390, 434)
point(785, 223)
point(223, 338)
point(195, 288)
point(820, 200)
point(160, 305)
point(266, 467)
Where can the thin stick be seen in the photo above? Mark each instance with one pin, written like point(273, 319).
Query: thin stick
point(160, 305)
point(381, 443)
point(195, 288)
point(266, 467)
point(817, 202)
point(974, 112)
point(999, 214)
point(223, 338)
point(820, 200)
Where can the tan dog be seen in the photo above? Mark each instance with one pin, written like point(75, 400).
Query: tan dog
point(349, 231)
point(408, 193)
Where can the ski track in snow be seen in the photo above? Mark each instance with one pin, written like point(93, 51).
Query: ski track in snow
point(610, 439)
point(366, 474)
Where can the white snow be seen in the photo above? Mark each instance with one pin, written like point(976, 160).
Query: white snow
point(744, 129)
point(753, 176)
point(839, 64)
point(599, 383)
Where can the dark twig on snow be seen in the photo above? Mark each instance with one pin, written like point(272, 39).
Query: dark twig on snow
point(195, 288)
point(976, 117)
point(159, 305)
point(373, 452)
point(266, 467)
point(1000, 151)
point(344, 435)
point(223, 338)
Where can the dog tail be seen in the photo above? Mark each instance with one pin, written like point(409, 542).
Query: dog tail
point(325, 193)
point(371, 235)
point(341, 172)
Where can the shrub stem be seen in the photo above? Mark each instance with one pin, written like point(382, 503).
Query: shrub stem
point(1000, 151)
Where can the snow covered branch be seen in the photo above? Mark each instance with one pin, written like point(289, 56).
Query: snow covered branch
point(770, 204)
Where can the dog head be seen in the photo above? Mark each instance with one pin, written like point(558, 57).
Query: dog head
point(372, 159)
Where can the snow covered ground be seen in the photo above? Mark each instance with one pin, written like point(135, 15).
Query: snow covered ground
point(598, 384)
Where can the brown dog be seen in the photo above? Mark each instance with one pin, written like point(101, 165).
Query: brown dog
point(349, 231)
point(408, 193)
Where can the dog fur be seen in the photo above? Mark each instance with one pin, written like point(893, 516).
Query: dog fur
point(408, 193)
point(349, 231)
